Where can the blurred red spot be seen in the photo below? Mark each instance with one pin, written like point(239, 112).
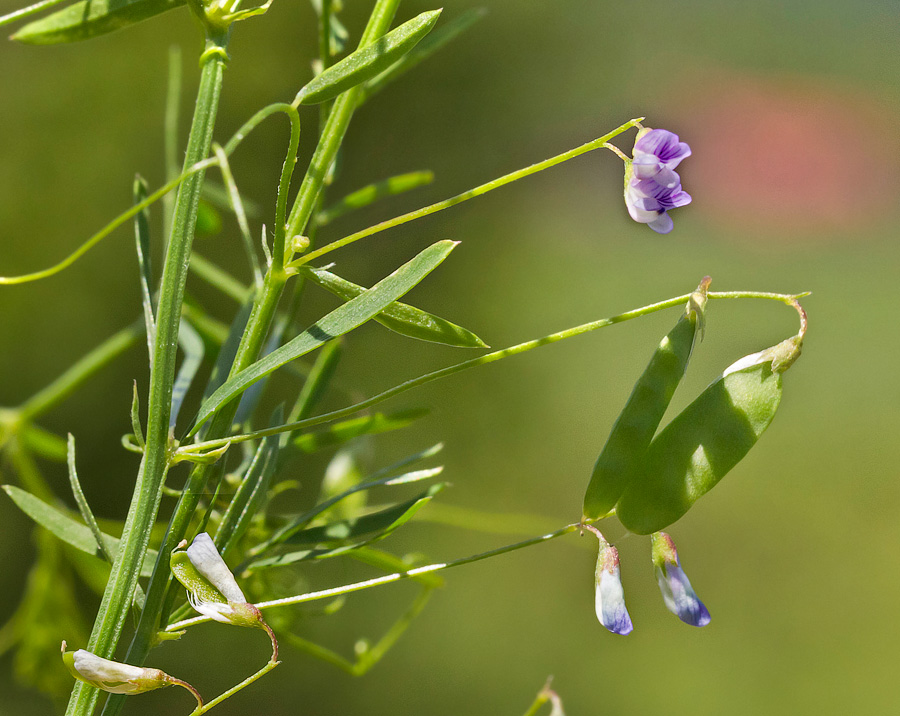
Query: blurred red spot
point(785, 157)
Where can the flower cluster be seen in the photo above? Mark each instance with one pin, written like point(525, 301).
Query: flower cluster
point(652, 186)
point(678, 594)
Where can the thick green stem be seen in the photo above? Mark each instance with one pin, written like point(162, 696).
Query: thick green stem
point(145, 502)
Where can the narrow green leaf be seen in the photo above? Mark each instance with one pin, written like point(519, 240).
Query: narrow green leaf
point(136, 428)
point(351, 532)
point(368, 61)
point(250, 495)
point(43, 443)
point(299, 522)
point(342, 320)
point(218, 195)
point(379, 523)
point(193, 349)
point(373, 192)
point(228, 351)
point(316, 382)
point(90, 18)
point(431, 44)
point(400, 317)
point(68, 529)
point(340, 433)
point(83, 506)
point(142, 245)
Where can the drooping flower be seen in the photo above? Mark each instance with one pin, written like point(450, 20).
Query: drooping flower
point(677, 592)
point(652, 186)
point(118, 678)
point(609, 597)
point(212, 589)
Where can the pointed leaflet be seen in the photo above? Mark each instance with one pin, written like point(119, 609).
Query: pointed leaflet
point(355, 427)
point(399, 317)
point(68, 529)
point(373, 192)
point(431, 44)
point(368, 61)
point(142, 245)
point(342, 320)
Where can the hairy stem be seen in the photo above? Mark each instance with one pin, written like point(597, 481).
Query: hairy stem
point(145, 502)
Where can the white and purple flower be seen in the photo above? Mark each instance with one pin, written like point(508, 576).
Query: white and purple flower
point(609, 599)
point(652, 186)
point(677, 592)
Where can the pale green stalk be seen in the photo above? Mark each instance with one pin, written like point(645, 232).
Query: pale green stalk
point(145, 501)
point(466, 195)
point(390, 578)
point(483, 360)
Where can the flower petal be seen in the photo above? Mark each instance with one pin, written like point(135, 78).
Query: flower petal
point(662, 224)
point(207, 560)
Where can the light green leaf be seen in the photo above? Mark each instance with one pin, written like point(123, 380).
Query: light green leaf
point(400, 317)
point(342, 320)
point(355, 427)
point(434, 42)
point(90, 18)
point(373, 192)
point(68, 529)
point(368, 61)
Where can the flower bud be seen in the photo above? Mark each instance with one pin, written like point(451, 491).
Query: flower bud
point(609, 596)
point(112, 676)
point(677, 592)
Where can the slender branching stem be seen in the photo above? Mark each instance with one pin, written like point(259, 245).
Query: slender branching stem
point(390, 578)
point(145, 501)
point(202, 447)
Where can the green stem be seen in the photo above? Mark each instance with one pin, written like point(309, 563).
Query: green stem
point(80, 372)
point(466, 195)
point(481, 360)
point(389, 578)
point(145, 502)
point(257, 328)
point(234, 689)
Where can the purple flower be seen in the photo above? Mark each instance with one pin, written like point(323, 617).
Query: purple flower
point(610, 597)
point(677, 592)
point(652, 186)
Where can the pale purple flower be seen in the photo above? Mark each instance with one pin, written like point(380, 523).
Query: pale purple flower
point(609, 598)
point(652, 186)
point(677, 592)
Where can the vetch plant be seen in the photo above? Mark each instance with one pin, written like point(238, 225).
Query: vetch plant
point(208, 491)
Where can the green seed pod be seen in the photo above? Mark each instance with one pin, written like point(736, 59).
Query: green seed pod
point(637, 423)
point(85, 20)
point(706, 440)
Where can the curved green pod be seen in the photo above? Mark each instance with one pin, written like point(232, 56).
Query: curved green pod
point(90, 18)
point(708, 438)
point(637, 423)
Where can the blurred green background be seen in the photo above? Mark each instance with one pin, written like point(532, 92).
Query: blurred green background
point(791, 110)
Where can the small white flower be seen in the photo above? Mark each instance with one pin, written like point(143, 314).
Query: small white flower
point(609, 597)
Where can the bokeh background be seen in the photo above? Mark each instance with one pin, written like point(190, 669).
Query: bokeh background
point(791, 109)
